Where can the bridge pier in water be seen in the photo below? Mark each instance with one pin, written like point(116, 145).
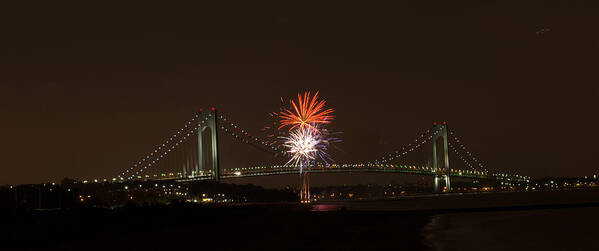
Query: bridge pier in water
point(447, 183)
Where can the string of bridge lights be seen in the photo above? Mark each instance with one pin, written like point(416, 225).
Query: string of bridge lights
point(463, 148)
point(460, 156)
point(406, 149)
point(165, 153)
point(480, 164)
point(422, 139)
point(163, 148)
point(237, 132)
point(149, 162)
point(152, 162)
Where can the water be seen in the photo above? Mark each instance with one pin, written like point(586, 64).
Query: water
point(557, 220)
point(548, 229)
point(473, 200)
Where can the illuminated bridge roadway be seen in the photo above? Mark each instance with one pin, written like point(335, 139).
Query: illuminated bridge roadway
point(346, 168)
point(184, 153)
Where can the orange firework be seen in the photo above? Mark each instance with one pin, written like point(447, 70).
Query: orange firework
point(307, 113)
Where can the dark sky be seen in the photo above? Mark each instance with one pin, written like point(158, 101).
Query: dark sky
point(85, 89)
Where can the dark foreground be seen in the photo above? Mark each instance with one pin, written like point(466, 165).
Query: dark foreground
point(565, 228)
point(182, 227)
point(483, 222)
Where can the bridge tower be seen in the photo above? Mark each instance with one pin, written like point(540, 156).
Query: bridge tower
point(440, 131)
point(209, 123)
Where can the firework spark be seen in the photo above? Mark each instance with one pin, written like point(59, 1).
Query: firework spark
point(305, 145)
point(302, 145)
point(307, 113)
point(307, 141)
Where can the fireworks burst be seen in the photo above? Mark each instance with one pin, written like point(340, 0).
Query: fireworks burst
point(307, 113)
point(304, 145)
point(306, 141)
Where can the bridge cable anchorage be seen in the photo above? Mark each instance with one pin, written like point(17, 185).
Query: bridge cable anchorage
point(418, 142)
point(162, 150)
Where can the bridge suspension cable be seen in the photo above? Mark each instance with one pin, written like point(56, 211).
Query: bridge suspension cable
point(154, 161)
point(188, 158)
point(183, 155)
point(459, 146)
point(418, 142)
point(238, 132)
point(161, 151)
point(460, 156)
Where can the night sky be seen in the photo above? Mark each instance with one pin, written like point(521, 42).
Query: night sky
point(85, 89)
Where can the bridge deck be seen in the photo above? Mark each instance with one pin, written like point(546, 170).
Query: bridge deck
point(350, 168)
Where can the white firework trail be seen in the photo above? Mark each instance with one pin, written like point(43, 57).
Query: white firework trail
point(305, 145)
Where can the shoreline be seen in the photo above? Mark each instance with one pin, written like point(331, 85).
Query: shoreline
point(259, 226)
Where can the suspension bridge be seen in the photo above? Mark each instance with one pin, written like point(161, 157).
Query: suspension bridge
point(192, 155)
